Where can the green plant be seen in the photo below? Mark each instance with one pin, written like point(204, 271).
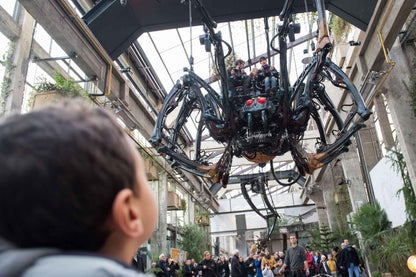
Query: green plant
point(7, 62)
point(339, 28)
point(322, 238)
point(377, 274)
point(63, 86)
point(184, 206)
point(387, 248)
point(393, 251)
point(399, 164)
point(195, 241)
point(153, 270)
point(202, 217)
point(371, 221)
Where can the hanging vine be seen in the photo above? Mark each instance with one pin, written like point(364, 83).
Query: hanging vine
point(7, 62)
point(339, 28)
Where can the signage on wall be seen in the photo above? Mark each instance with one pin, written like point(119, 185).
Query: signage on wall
point(179, 255)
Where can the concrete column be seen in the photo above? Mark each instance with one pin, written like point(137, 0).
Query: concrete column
point(399, 102)
point(383, 120)
point(328, 191)
point(161, 231)
point(317, 197)
point(16, 74)
point(352, 171)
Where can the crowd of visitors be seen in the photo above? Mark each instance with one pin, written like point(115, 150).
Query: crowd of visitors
point(298, 262)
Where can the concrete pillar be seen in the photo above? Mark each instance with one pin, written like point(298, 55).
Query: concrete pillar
point(317, 197)
point(383, 120)
point(352, 171)
point(399, 102)
point(328, 190)
point(16, 74)
point(161, 231)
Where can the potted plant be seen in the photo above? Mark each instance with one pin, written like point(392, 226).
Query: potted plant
point(46, 92)
point(202, 218)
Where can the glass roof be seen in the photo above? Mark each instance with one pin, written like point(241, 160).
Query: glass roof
point(169, 50)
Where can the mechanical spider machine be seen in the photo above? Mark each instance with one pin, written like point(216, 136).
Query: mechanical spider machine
point(259, 129)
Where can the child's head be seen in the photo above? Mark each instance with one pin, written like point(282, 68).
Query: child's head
point(263, 60)
point(329, 257)
point(323, 259)
point(254, 72)
point(239, 64)
point(71, 179)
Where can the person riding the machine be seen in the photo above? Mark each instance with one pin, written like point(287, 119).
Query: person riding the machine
point(238, 78)
point(269, 74)
point(254, 85)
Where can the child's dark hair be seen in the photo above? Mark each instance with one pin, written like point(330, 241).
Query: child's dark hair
point(61, 169)
point(237, 62)
point(263, 58)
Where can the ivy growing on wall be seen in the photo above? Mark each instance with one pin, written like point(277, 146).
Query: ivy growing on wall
point(400, 166)
point(339, 28)
point(7, 62)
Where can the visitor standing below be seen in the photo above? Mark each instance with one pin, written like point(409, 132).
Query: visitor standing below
point(323, 266)
point(250, 266)
point(223, 267)
point(257, 263)
point(296, 259)
point(173, 266)
point(269, 260)
point(349, 259)
point(242, 267)
point(187, 270)
point(207, 266)
point(163, 265)
point(332, 265)
point(235, 265)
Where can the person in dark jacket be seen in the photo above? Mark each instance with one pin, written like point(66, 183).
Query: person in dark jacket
point(242, 267)
point(207, 266)
point(173, 266)
point(223, 267)
point(188, 270)
point(163, 265)
point(138, 263)
point(235, 265)
point(250, 266)
point(349, 259)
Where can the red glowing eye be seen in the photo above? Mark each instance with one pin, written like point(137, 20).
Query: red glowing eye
point(249, 102)
point(261, 100)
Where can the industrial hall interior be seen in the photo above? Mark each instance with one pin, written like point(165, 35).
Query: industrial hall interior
point(277, 137)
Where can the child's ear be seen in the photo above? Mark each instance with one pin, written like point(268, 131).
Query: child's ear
point(126, 214)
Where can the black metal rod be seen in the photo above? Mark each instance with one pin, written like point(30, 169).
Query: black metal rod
point(266, 29)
